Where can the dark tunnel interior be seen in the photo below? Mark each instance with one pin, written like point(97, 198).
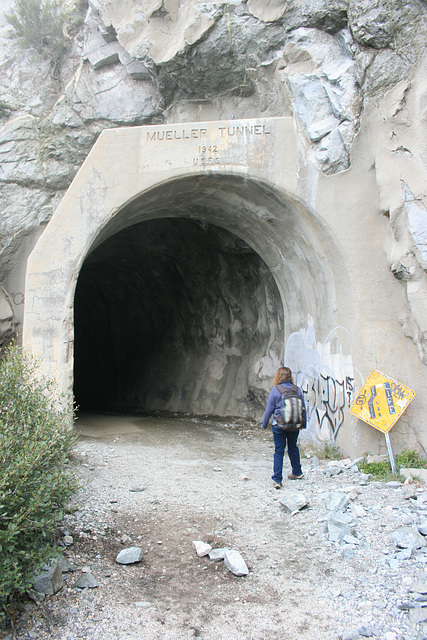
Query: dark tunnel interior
point(174, 315)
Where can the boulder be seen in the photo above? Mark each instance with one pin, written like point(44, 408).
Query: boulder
point(49, 581)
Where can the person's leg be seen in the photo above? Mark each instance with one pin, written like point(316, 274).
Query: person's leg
point(293, 452)
point(279, 449)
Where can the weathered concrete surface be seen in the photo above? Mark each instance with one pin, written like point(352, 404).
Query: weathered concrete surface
point(246, 184)
point(350, 77)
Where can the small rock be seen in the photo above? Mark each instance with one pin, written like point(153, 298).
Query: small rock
point(408, 537)
point(332, 471)
point(336, 501)
point(68, 541)
point(136, 489)
point(349, 539)
point(348, 552)
point(357, 511)
point(365, 632)
point(66, 566)
point(418, 615)
point(350, 635)
point(420, 598)
point(35, 596)
point(419, 587)
point(295, 502)
point(125, 539)
point(409, 492)
point(131, 555)
point(86, 581)
point(217, 554)
point(201, 548)
point(235, 563)
point(405, 554)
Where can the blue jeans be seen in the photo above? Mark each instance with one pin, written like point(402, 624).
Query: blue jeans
point(281, 439)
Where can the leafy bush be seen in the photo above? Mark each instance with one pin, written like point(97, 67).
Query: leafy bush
point(36, 439)
point(381, 470)
point(412, 459)
point(43, 25)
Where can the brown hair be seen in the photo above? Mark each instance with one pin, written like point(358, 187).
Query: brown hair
point(282, 374)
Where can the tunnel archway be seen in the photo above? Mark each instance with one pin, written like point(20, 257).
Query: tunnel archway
point(176, 307)
point(251, 190)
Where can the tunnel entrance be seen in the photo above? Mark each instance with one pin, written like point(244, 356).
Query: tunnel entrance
point(176, 315)
point(164, 282)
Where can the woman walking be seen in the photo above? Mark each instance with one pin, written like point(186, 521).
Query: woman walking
point(281, 437)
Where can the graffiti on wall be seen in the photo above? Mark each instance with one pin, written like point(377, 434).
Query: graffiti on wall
point(326, 375)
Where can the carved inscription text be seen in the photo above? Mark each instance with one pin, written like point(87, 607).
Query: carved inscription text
point(205, 153)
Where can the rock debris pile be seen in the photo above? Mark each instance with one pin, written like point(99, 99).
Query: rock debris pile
point(350, 562)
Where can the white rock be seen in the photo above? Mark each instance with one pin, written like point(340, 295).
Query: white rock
point(201, 548)
point(217, 554)
point(235, 563)
point(295, 502)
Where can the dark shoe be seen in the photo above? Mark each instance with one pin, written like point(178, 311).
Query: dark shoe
point(277, 485)
point(292, 477)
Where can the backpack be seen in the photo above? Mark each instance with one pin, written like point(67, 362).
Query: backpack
point(291, 411)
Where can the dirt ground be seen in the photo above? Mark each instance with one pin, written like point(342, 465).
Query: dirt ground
point(162, 483)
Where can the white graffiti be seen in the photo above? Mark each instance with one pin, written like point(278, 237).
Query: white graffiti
point(326, 375)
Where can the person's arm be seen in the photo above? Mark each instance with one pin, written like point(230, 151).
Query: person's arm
point(269, 408)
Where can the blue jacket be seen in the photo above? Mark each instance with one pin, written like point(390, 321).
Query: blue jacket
point(274, 404)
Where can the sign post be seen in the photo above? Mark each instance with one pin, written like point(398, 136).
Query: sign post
point(380, 403)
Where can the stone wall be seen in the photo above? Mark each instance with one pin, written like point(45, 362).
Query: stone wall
point(351, 75)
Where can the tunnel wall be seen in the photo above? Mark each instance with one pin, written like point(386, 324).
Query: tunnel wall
point(317, 235)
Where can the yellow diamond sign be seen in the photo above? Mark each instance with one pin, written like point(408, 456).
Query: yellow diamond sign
point(381, 401)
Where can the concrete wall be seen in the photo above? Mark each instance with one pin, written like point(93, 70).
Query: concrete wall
point(319, 236)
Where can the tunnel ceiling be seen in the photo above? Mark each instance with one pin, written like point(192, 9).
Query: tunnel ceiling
point(176, 315)
point(290, 240)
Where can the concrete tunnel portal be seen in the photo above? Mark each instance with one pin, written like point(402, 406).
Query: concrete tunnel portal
point(160, 284)
point(175, 307)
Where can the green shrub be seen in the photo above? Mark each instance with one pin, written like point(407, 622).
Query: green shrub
point(43, 25)
point(381, 470)
point(36, 439)
point(411, 458)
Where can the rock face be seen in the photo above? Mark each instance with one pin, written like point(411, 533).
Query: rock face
point(351, 74)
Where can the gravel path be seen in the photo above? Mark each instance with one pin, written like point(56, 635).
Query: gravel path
point(162, 483)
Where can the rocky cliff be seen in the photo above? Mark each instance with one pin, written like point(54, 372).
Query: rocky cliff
point(333, 65)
